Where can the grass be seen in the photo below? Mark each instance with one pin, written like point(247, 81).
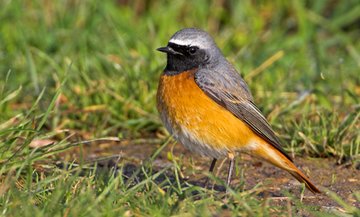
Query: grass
point(74, 71)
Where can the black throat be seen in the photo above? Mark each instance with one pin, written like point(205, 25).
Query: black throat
point(178, 63)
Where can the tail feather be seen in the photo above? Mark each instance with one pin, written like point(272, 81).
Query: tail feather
point(276, 158)
point(302, 178)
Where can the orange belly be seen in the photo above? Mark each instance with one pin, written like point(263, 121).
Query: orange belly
point(198, 122)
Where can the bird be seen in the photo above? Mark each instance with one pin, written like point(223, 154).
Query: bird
point(206, 105)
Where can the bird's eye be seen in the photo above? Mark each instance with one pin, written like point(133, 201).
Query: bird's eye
point(192, 50)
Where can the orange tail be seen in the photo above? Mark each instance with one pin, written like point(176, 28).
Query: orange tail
point(302, 178)
point(275, 157)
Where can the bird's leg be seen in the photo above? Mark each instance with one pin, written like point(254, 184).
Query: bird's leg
point(213, 162)
point(212, 166)
point(231, 168)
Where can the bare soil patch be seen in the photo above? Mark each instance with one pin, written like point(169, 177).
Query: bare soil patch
point(342, 179)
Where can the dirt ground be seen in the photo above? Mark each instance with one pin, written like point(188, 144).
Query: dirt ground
point(343, 179)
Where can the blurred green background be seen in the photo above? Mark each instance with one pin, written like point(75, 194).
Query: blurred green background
point(300, 58)
point(90, 68)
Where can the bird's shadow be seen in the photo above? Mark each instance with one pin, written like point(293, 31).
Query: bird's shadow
point(133, 175)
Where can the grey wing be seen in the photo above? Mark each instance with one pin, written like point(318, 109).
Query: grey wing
point(231, 92)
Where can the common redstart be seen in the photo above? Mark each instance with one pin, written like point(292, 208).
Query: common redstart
point(207, 106)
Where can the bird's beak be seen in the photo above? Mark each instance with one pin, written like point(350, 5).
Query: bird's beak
point(169, 50)
point(164, 49)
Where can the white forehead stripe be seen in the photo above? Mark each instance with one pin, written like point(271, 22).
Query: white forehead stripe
point(181, 42)
point(186, 42)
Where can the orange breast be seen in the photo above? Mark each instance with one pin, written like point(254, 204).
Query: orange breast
point(196, 120)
